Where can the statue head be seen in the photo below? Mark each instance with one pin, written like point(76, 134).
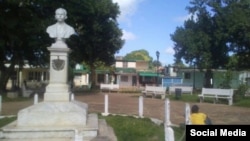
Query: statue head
point(60, 15)
point(60, 30)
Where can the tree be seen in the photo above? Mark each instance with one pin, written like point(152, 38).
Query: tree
point(233, 18)
point(21, 39)
point(156, 63)
point(198, 41)
point(99, 37)
point(208, 38)
point(140, 55)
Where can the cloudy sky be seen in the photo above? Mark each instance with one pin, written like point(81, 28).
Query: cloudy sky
point(147, 24)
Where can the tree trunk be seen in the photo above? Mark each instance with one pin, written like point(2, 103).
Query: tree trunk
point(92, 76)
point(208, 79)
point(4, 77)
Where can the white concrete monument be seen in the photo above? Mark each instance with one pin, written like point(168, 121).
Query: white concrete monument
point(60, 30)
point(57, 116)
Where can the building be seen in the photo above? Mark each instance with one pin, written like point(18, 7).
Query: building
point(32, 77)
point(131, 73)
point(126, 73)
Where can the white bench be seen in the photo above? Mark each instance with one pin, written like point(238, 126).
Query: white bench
point(12, 94)
point(217, 94)
point(109, 87)
point(26, 92)
point(87, 86)
point(154, 91)
point(184, 89)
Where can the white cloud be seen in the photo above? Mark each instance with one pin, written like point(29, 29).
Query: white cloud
point(184, 18)
point(128, 35)
point(170, 51)
point(127, 8)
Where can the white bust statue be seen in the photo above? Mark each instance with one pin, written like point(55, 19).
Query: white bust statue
point(60, 30)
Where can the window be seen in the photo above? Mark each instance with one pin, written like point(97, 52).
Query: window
point(187, 75)
point(38, 76)
point(30, 76)
point(125, 65)
point(124, 78)
point(100, 78)
point(45, 76)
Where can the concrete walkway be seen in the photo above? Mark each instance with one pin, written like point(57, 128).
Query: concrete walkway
point(153, 107)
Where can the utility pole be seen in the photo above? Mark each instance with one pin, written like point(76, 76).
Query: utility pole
point(157, 55)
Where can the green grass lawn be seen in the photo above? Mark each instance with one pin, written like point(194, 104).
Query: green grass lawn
point(6, 120)
point(128, 128)
point(134, 129)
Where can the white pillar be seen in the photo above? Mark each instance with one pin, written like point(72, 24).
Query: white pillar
point(20, 79)
point(0, 104)
point(35, 98)
point(106, 104)
point(106, 79)
point(58, 89)
point(78, 137)
point(169, 132)
point(118, 79)
point(167, 112)
point(42, 76)
point(187, 114)
point(87, 78)
point(141, 106)
point(72, 97)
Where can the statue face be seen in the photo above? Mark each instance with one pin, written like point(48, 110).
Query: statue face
point(60, 15)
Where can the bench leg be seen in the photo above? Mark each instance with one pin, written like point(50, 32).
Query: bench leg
point(144, 95)
point(163, 96)
point(230, 102)
point(153, 95)
point(215, 100)
point(201, 99)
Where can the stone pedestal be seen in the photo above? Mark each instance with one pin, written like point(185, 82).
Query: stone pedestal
point(57, 116)
point(58, 89)
point(54, 114)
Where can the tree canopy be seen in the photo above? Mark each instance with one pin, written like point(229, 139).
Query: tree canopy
point(217, 31)
point(23, 34)
point(141, 54)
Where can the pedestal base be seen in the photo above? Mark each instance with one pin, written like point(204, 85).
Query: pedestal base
point(52, 121)
point(12, 132)
point(54, 114)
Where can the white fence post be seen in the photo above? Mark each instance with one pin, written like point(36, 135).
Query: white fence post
point(36, 98)
point(187, 114)
point(106, 103)
point(169, 132)
point(167, 112)
point(141, 106)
